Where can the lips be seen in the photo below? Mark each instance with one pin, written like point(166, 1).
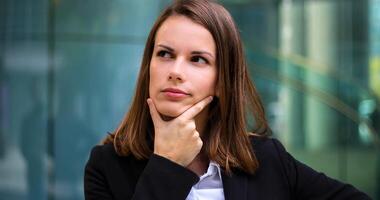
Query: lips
point(174, 93)
point(174, 90)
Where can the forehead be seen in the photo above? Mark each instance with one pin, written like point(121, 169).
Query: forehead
point(181, 32)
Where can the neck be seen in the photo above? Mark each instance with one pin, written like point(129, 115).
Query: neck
point(201, 121)
point(199, 165)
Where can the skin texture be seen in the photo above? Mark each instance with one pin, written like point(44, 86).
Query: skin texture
point(177, 139)
point(195, 74)
point(183, 58)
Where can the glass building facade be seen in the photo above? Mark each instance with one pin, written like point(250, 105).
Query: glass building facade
point(68, 71)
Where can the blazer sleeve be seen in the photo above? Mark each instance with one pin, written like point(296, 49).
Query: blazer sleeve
point(164, 179)
point(160, 179)
point(307, 183)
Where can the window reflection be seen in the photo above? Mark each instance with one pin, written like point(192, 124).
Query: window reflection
point(315, 63)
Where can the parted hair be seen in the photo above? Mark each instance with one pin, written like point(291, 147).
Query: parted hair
point(227, 138)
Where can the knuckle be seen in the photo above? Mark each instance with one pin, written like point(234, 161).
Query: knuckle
point(181, 122)
point(200, 143)
point(196, 134)
point(198, 108)
point(191, 126)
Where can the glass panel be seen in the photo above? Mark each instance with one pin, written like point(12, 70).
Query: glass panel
point(23, 129)
point(23, 18)
point(94, 85)
point(316, 65)
point(120, 18)
point(309, 60)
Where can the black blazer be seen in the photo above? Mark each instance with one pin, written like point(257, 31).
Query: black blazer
point(280, 176)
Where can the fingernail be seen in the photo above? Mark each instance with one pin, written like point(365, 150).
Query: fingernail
point(210, 98)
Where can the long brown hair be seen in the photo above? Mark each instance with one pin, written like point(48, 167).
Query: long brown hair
point(227, 140)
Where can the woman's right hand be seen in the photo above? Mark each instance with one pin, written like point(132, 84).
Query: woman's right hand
point(177, 139)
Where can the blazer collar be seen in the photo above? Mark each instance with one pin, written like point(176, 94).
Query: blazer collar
point(235, 185)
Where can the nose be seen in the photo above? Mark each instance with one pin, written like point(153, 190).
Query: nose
point(176, 70)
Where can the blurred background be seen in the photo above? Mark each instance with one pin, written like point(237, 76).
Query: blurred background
point(68, 70)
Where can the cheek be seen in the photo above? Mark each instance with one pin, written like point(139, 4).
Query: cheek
point(156, 80)
point(213, 81)
point(207, 85)
point(212, 87)
point(150, 88)
point(152, 81)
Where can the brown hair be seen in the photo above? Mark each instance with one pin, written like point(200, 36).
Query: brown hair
point(227, 141)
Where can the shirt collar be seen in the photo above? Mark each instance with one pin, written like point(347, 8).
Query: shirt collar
point(214, 168)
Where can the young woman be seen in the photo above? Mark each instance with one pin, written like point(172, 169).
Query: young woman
point(185, 134)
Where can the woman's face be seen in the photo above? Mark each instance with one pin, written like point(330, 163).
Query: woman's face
point(182, 68)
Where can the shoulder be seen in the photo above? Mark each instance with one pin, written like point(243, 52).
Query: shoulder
point(100, 156)
point(278, 167)
point(113, 167)
point(116, 174)
point(101, 150)
point(274, 160)
point(267, 145)
point(106, 155)
point(274, 169)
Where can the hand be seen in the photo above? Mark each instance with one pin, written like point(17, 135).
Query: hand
point(177, 139)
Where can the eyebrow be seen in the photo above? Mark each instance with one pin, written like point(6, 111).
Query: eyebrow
point(193, 52)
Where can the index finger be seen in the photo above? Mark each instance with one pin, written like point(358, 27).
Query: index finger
point(195, 109)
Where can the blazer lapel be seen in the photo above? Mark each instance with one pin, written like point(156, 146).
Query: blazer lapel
point(235, 186)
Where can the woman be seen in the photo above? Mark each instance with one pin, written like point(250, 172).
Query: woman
point(185, 136)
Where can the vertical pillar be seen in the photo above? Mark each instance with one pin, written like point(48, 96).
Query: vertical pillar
point(292, 42)
point(374, 71)
point(321, 120)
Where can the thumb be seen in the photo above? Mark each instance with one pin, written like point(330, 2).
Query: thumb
point(153, 112)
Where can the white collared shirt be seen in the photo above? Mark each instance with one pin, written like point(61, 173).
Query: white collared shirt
point(209, 186)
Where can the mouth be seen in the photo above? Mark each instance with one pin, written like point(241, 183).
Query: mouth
point(174, 93)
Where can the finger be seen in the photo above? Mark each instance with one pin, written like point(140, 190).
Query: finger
point(195, 109)
point(153, 112)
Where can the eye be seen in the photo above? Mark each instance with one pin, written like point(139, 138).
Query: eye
point(199, 59)
point(164, 54)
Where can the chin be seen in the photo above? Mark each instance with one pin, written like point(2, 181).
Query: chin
point(170, 113)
